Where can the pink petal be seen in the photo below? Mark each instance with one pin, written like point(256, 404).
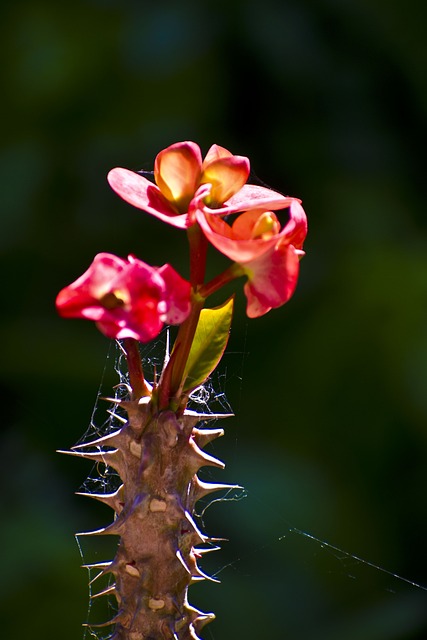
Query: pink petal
point(177, 172)
point(143, 194)
point(272, 279)
point(81, 298)
point(220, 235)
point(296, 228)
point(121, 329)
point(177, 295)
point(252, 196)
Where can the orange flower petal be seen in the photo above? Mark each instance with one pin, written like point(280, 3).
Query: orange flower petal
point(252, 224)
point(215, 153)
point(227, 175)
point(177, 171)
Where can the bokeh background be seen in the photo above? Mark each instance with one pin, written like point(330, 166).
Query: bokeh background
point(328, 99)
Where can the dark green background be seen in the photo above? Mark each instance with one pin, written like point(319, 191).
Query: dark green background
point(328, 98)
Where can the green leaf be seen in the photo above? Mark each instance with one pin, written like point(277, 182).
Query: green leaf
point(209, 343)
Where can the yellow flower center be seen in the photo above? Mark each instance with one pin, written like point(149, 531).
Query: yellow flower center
point(266, 226)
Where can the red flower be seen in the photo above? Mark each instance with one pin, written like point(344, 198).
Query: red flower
point(267, 255)
point(182, 180)
point(127, 298)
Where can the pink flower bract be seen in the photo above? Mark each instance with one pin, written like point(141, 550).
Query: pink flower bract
point(182, 178)
point(126, 298)
point(268, 255)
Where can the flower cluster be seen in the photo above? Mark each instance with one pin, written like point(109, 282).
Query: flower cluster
point(131, 299)
point(180, 175)
point(268, 255)
point(127, 298)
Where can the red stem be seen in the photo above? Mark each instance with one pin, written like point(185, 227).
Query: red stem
point(198, 250)
point(136, 374)
point(234, 271)
point(172, 377)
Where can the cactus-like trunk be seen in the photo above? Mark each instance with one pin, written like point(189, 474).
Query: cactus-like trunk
point(157, 456)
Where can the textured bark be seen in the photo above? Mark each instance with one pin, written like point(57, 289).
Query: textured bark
point(157, 456)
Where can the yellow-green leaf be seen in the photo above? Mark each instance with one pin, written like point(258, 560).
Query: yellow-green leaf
point(209, 343)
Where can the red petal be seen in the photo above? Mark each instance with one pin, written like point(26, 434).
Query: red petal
point(220, 235)
point(81, 298)
point(177, 295)
point(296, 228)
point(271, 280)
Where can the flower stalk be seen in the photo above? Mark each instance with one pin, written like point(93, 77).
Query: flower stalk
point(183, 343)
point(138, 385)
point(231, 273)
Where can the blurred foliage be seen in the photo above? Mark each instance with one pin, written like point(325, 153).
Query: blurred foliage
point(329, 101)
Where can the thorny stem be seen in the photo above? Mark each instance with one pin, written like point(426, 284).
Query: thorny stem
point(136, 374)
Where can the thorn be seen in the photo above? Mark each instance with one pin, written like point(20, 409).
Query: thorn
point(217, 540)
point(98, 532)
point(182, 561)
point(113, 400)
point(202, 538)
point(203, 459)
point(203, 619)
point(100, 574)
point(204, 436)
point(198, 618)
point(109, 458)
point(107, 568)
point(200, 575)
point(97, 565)
point(124, 385)
point(207, 416)
point(110, 499)
point(116, 416)
point(104, 592)
point(201, 551)
point(97, 456)
point(202, 489)
point(114, 529)
point(115, 620)
point(99, 441)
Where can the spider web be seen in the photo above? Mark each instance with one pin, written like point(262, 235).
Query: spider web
point(208, 398)
point(107, 417)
